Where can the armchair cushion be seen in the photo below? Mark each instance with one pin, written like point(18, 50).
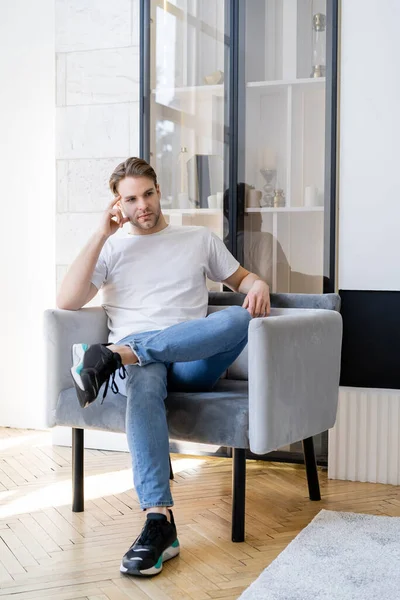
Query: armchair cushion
point(219, 417)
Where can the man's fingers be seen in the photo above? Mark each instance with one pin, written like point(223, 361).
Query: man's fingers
point(266, 309)
point(256, 305)
point(116, 215)
point(259, 306)
point(114, 201)
point(251, 306)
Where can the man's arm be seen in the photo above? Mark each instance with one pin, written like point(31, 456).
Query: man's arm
point(77, 288)
point(257, 300)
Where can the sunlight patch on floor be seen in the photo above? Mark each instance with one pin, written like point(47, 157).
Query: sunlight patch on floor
point(59, 493)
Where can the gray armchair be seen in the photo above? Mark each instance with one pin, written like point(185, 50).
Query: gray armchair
point(283, 388)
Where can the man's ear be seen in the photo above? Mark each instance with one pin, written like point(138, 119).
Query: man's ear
point(119, 204)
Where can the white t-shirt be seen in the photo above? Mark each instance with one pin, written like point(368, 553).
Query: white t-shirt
point(153, 281)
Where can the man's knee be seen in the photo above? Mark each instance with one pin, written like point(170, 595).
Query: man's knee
point(240, 316)
point(150, 379)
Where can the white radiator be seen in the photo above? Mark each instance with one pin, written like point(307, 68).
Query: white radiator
point(364, 445)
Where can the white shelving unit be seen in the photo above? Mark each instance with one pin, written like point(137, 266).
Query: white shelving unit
point(284, 118)
point(285, 131)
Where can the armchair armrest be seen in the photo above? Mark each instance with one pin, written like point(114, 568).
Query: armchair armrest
point(294, 368)
point(62, 328)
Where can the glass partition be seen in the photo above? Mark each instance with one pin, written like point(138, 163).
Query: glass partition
point(285, 58)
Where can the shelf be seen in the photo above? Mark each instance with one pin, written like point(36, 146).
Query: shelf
point(218, 211)
point(191, 211)
point(312, 82)
point(217, 90)
point(168, 95)
point(290, 209)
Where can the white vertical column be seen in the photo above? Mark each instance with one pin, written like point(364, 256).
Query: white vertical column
point(289, 39)
point(270, 41)
point(274, 251)
point(289, 126)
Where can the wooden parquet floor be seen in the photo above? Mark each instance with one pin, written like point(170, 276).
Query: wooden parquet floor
point(47, 552)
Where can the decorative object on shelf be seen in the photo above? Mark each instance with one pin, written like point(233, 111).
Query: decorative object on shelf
point(212, 201)
point(183, 200)
point(199, 180)
point(215, 200)
point(269, 188)
point(311, 196)
point(205, 177)
point(253, 198)
point(267, 158)
point(214, 78)
point(279, 198)
point(165, 204)
point(319, 46)
point(182, 176)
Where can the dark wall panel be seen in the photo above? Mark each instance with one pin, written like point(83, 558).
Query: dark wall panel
point(371, 339)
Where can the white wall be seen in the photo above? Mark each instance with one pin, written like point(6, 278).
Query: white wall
point(97, 115)
point(369, 191)
point(27, 175)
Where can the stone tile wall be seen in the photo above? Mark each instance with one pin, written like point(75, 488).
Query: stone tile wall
point(97, 114)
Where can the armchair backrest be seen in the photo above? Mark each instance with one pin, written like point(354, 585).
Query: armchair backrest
point(326, 301)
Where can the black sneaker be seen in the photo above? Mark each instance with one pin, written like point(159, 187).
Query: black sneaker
point(91, 367)
point(157, 543)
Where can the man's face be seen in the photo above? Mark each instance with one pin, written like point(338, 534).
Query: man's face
point(140, 202)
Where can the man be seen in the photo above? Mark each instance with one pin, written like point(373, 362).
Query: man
point(153, 281)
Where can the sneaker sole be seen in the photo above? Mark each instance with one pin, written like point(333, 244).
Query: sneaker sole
point(169, 553)
point(78, 353)
point(84, 388)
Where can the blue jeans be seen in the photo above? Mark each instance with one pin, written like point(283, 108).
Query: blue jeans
point(189, 356)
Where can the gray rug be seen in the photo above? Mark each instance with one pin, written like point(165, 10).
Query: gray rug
point(338, 556)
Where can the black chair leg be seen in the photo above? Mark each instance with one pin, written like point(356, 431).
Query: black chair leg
point(311, 469)
point(171, 473)
point(238, 493)
point(77, 470)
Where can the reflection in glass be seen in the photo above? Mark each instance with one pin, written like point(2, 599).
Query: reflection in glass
point(187, 106)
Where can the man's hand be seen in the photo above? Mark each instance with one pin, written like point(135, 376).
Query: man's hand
point(257, 300)
point(112, 218)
